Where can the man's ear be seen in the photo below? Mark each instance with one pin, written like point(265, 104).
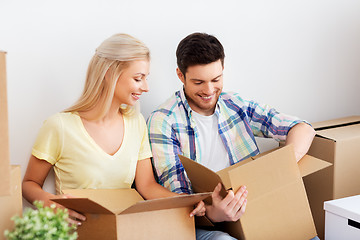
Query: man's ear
point(180, 75)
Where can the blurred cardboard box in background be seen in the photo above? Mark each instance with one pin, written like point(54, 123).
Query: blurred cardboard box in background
point(11, 205)
point(4, 130)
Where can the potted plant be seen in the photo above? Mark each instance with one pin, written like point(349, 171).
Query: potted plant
point(42, 223)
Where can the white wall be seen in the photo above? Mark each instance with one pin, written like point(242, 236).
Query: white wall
point(301, 56)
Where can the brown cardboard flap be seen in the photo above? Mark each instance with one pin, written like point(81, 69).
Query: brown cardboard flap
point(199, 175)
point(82, 205)
point(122, 201)
point(116, 200)
point(224, 174)
point(277, 202)
point(167, 203)
point(271, 170)
point(335, 122)
point(308, 165)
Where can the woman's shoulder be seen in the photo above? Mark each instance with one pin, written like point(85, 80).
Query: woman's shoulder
point(61, 117)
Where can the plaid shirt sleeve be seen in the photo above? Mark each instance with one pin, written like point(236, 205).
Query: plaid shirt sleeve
point(266, 121)
point(166, 147)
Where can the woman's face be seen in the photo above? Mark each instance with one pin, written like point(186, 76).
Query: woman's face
point(132, 83)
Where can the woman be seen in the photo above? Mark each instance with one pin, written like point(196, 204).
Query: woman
point(102, 141)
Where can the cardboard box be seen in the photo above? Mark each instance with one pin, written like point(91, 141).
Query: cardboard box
point(4, 132)
point(122, 214)
point(337, 142)
point(11, 205)
point(277, 206)
point(342, 218)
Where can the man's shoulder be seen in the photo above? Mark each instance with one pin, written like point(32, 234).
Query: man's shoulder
point(232, 97)
point(167, 110)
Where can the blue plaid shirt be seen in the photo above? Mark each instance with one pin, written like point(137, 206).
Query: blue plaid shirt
point(172, 131)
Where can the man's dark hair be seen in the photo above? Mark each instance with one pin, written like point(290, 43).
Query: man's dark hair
point(198, 48)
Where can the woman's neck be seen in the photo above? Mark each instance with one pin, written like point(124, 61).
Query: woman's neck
point(92, 114)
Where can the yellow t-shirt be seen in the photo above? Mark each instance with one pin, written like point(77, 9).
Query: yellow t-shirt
point(80, 163)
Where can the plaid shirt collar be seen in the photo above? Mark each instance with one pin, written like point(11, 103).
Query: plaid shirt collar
point(183, 100)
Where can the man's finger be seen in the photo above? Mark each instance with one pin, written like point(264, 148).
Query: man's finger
point(216, 193)
point(200, 207)
point(241, 210)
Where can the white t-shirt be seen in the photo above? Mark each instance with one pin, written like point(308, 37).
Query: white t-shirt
point(213, 153)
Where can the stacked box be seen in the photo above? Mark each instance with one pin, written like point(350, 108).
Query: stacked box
point(337, 142)
point(11, 204)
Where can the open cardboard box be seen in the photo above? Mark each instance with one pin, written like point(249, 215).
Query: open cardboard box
point(122, 214)
point(337, 142)
point(277, 206)
point(4, 132)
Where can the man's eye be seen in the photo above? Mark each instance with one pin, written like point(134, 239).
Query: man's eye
point(197, 83)
point(137, 80)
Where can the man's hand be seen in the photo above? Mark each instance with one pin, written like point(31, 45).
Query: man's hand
point(199, 209)
point(230, 208)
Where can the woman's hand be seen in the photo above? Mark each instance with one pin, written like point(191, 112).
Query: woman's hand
point(74, 217)
point(199, 210)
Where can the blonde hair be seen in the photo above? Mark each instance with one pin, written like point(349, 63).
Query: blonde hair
point(111, 58)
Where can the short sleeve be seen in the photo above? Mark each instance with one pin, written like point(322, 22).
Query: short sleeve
point(145, 151)
point(48, 143)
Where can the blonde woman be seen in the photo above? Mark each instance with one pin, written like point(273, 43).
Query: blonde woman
point(100, 142)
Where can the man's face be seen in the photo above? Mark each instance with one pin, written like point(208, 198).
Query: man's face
point(203, 85)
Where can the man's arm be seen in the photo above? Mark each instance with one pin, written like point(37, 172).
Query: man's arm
point(268, 122)
point(165, 149)
point(300, 136)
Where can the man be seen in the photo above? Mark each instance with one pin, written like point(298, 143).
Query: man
point(214, 128)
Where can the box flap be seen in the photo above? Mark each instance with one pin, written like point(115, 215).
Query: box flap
point(202, 179)
point(82, 205)
point(224, 173)
point(277, 201)
point(308, 165)
point(116, 200)
point(262, 168)
point(167, 203)
point(335, 122)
